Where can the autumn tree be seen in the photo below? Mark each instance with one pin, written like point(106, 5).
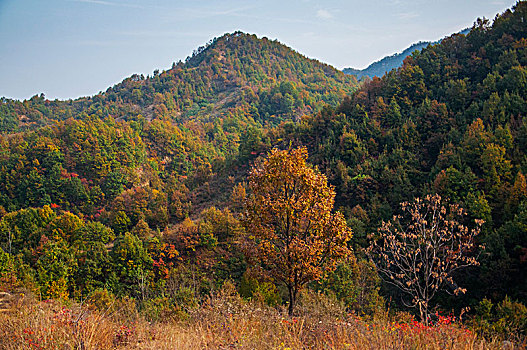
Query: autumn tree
point(418, 251)
point(291, 231)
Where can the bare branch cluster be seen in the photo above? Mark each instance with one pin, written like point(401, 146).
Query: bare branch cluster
point(418, 251)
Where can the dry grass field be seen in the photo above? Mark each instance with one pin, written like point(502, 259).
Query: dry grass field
point(224, 321)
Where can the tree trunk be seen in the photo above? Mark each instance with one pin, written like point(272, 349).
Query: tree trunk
point(292, 299)
point(423, 311)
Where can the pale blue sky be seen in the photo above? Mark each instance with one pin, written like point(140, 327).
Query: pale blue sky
point(72, 48)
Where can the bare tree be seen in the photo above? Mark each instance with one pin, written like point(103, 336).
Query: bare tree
point(418, 251)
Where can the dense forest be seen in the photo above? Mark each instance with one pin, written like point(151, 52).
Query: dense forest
point(449, 121)
point(139, 191)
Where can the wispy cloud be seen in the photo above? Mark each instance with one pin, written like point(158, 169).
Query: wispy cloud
point(98, 2)
point(200, 13)
point(97, 43)
point(407, 15)
point(324, 14)
point(108, 3)
point(163, 34)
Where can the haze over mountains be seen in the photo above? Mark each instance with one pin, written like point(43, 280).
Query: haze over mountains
point(386, 64)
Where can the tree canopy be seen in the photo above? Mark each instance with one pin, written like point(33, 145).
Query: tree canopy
point(289, 221)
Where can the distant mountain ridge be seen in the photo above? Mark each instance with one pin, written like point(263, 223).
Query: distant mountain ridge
point(256, 79)
point(386, 64)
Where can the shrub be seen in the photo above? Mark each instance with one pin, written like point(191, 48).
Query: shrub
point(254, 288)
point(505, 320)
point(356, 283)
point(101, 299)
point(160, 309)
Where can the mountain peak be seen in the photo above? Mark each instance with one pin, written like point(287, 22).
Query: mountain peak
point(256, 79)
point(239, 69)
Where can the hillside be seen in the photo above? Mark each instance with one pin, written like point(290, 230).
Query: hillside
point(145, 159)
point(134, 197)
point(386, 64)
point(186, 121)
point(259, 80)
point(452, 120)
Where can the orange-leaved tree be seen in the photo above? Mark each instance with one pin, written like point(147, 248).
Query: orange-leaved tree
point(418, 251)
point(291, 230)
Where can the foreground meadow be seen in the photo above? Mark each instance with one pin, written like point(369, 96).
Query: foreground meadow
point(224, 321)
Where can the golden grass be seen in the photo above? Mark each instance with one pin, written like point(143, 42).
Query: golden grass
point(224, 321)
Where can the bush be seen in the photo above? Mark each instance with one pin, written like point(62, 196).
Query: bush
point(8, 280)
point(263, 291)
point(506, 320)
point(161, 309)
point(356, 283)
point(101, 299)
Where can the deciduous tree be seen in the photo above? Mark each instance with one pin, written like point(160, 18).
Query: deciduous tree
point(291, 230)
point(418, 251)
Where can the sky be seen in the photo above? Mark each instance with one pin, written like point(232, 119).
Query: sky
point(71, 48)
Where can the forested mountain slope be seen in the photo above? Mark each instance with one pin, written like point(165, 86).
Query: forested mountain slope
point(183, 122)
point(386, 64)
point(257, 80)
point(137, 191)
point(89, 182)
point(452, 120)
